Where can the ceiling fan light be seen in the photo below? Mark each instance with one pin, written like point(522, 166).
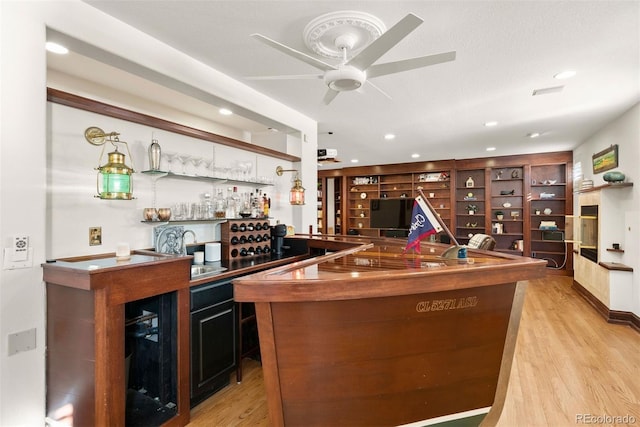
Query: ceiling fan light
point(345, 78)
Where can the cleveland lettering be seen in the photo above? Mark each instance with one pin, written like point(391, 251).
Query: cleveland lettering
point(446, 304)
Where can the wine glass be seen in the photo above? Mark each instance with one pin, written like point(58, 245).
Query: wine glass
point(184, 158)
point(169, 157)
point(196, 162)
point(208, 166)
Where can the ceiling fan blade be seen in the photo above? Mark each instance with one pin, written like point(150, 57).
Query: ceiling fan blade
point(409, 64)
point(294, 53)
point(329, 96)
point(286, 77)
point(386, 41)
point(379, 90)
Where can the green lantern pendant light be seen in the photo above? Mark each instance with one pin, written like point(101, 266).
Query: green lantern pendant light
point(114, 178)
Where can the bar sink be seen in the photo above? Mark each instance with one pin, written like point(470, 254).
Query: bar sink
point(198, 271)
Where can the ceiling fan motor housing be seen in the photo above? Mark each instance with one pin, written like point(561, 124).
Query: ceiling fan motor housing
point(345, 78)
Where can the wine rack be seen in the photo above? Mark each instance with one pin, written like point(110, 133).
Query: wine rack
point(245, 238)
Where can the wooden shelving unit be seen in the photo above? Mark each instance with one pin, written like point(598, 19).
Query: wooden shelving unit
point(507, 197)
point(549, 203)
point(470, 204)
point(530, 183)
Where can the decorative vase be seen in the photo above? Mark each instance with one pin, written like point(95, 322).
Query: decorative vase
point(614, 177)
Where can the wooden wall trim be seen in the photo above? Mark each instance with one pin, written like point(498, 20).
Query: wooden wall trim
point(611, 316)
point(87, 104)
point(538, 159)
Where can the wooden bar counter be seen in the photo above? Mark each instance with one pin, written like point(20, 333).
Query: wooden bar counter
point(86, 298)
point(367, 336)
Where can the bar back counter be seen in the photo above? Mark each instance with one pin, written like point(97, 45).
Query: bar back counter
point(365, 335)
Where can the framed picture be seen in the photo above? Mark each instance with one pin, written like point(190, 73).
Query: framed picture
point(605, 159)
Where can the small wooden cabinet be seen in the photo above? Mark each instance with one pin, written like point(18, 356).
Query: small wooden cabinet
point(213, 338)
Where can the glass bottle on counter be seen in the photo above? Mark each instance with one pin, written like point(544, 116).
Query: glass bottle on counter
point(236, 201)
point(231, 207)
point(220, 206)
point(206, 207)
point(265, 209)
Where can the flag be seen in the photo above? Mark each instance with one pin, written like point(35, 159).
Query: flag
point(423, 224)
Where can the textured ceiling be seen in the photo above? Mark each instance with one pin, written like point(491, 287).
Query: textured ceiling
point(505, 50)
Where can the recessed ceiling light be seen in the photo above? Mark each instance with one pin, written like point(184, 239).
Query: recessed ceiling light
point(547, 90)
point(225, 111)
point(491, 124)
point(491, 148)
point(415, 155)
point(389, 136)
point(533, 135)
point(56, 48)
point(354, 160)
point(565, 74)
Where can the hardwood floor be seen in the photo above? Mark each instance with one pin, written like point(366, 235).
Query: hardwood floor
point(570, 367)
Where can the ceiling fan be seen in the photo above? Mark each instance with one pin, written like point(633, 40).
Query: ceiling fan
point(347, 35)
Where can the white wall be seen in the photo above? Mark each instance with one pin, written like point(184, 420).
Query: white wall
point(619, 215)
point(73, 209)
point(24, 177)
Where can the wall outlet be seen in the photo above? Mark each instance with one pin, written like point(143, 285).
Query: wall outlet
point(22, 341)
point(95, 236)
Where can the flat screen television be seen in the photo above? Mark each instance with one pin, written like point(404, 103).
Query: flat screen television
point(391, 213)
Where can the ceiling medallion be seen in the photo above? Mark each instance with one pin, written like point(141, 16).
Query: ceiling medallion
point(325, 35)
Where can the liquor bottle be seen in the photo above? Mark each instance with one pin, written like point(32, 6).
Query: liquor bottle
point(236, 202)
point(220, 205)
point(231, 207)
point(265, 209)
point(207, 207)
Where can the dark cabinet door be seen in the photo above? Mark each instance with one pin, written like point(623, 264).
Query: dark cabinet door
point(213, 349)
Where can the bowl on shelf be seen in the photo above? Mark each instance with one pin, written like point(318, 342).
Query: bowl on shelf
point(245, 214)
point(614, 177)
point(164, 214)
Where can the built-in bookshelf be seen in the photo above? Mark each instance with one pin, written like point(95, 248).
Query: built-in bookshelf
point(507, 208)
point(532, 192)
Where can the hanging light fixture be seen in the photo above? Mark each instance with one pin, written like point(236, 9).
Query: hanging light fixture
point(114, 178)
point(296, 194)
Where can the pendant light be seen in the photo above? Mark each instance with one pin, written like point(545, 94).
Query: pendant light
point(296, 194)
point(113, 181)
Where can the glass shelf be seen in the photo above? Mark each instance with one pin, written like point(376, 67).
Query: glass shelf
point(187, 221)
point(163, 174)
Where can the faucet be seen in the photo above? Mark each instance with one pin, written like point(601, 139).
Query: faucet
point(184, 246)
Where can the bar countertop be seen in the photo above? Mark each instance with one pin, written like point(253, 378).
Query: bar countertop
point(362, 267)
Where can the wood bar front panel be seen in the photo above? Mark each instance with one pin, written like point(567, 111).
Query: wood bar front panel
point(71, 361)
point(389, 361)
